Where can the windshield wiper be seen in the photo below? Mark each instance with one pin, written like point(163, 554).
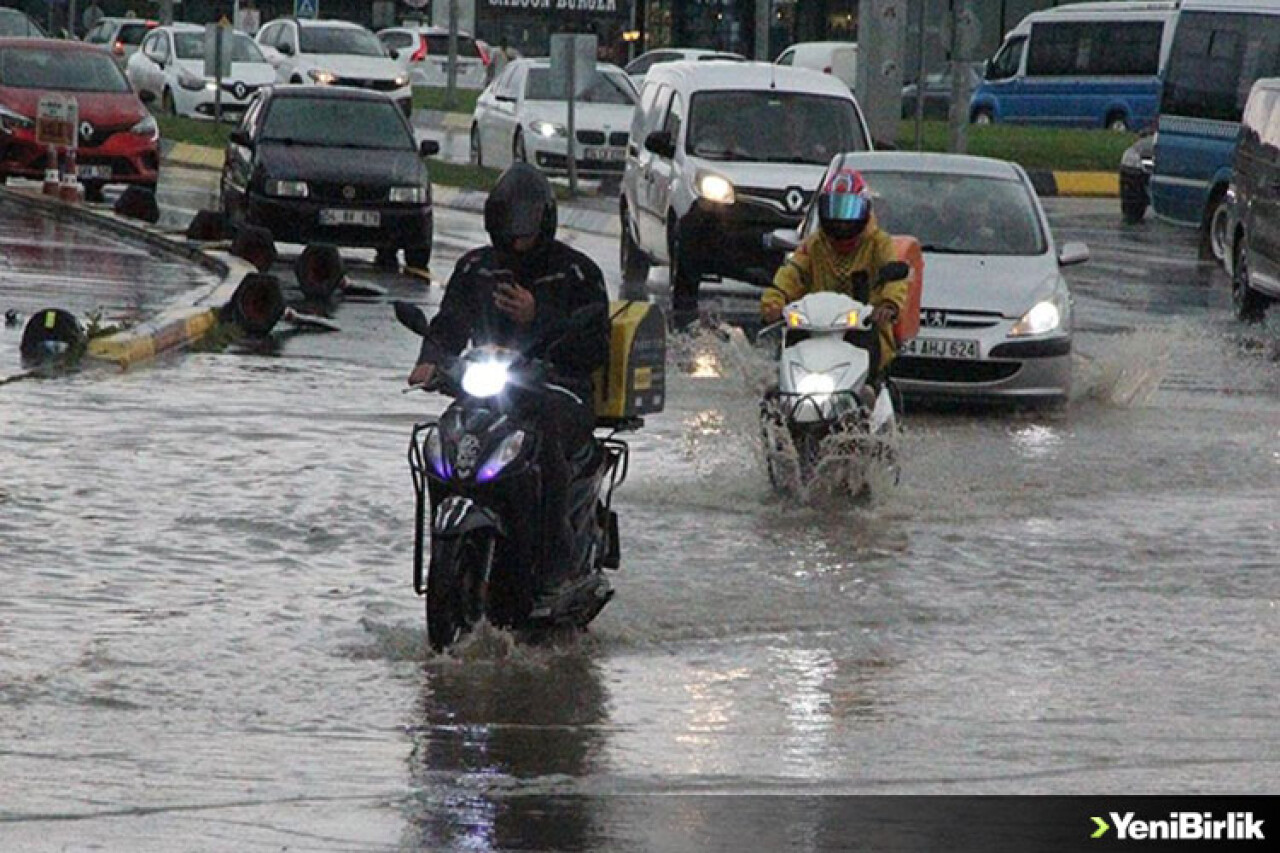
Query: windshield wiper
point(945, 250)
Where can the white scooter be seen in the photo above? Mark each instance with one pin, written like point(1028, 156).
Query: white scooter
point(825, 424)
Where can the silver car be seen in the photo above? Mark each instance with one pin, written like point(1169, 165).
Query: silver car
point(995, 318)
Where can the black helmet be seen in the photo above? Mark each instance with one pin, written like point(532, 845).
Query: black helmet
point(521, 204)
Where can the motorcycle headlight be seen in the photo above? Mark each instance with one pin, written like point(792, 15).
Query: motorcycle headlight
point(408, 195)
point(288, 189)
point(11, 121)
point(435, 455)
point(1043, 317)
point(547, 129)
point(816, 384)
point(324, 78)
point(506, 452)
point(485, 378)
point(715, 188)
point(147, 127)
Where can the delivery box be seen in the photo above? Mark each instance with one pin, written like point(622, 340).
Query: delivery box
point(634, 382)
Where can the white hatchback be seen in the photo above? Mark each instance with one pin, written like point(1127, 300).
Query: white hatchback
point(168, 69)
point(423, 52)
point(521, 117)
point(333, 53)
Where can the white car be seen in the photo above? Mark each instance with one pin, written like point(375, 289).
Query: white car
point(837, 58)
point(168, 69)
point(522, 117)
point(423, 52)
point(639, 67)
point(333, 53)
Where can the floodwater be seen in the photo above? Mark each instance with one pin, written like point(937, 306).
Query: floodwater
point(208, 638)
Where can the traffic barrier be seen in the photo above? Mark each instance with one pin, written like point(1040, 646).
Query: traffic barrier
point(138, 203)
point(51, 333)
point(256, 246)
point(320, 271)
point(257, 305)
point(207, 226)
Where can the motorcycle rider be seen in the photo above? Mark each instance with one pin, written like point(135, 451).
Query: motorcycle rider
point(530, 292)
point(845, 255)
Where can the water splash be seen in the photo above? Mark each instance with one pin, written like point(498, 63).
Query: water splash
point(1128, 370)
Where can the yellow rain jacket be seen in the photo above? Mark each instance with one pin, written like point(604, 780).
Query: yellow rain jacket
point(816, 266)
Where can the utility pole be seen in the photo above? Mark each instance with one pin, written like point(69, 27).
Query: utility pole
point(959, 116)
point(451, 78)
point(166, 12)
point(762, 29)
point(921, 66)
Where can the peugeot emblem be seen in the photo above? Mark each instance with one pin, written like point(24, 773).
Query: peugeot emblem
point(86, 130)
point(349, 192)
point(936, 319)
point(239, 91)
point(794, 200)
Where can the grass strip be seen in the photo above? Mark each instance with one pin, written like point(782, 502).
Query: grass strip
point(433, 98)
point(1059, 149)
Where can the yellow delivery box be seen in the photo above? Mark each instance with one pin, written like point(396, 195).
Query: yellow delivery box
point(635, 381)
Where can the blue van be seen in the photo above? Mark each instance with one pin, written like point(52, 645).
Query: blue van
point(1080, 65)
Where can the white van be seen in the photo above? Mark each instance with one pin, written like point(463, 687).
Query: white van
point(1080, 65)
point(720, 154)
point(837, 58)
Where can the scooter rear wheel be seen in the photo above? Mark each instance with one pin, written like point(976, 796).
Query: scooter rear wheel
point(457, 586)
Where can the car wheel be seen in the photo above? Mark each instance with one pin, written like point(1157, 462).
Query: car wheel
point(1249, 305)
point(635, 266)
point(477, 153)
point(1133, 209)
point(1207, 250)
point(518, 153)
point(684, 282)
point(1218, 224)
point(418, 257)
point(983, 116)
point(167, 104)
point(1115, 122)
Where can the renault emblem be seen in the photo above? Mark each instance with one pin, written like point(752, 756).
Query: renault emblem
point(239, 91)
point(349, 192)
point(86, 131)
point(794, 200)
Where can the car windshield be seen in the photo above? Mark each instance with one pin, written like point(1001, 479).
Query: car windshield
point(772, 127)
point(338, 123)
point(957, 214)
point(191, 46)
point(14, 23)
point(339, 40)
point(609, 87)
point(133, 34)
point(61, 70)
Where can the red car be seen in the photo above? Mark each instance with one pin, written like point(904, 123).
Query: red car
point(119, 142)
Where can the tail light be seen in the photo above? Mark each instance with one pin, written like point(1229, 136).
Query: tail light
point(118, 48)
point(484, 54)
point(827, 70)
point(421, 53)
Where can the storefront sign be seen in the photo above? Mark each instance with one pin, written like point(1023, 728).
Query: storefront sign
point(585, 6)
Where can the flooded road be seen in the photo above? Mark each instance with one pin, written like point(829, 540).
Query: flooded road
point(208, 638)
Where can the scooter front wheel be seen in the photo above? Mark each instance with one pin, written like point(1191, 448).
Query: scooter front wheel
point(458, 585)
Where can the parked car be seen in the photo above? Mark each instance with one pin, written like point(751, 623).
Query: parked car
point(118, 139)
point(423, 53)
point(837, 58)
point(522, 117)
point(995, 312)
point(720, 154)
point(637, 68)
point(168, 69)
point(1136, 165)
point(14, 23)
point(120, 36)
point(331, 164)
point(937, 93)
point(1253, 205)
point(333, 53)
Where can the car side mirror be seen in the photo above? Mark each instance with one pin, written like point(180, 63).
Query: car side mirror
point(428, 148)
point(147, 96)
point(1072, 253)
point(782, 240)
point(894, 271)
point(393, 53)
point(660, 142)
point(286, 49)
point(240, 136)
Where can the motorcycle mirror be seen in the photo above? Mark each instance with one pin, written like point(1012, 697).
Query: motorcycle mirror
point(411, 317)
point(893, 271)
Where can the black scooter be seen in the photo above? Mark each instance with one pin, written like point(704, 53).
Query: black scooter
point(476, 466)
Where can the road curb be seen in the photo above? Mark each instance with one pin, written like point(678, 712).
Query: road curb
point(1070, 184)
point(187, 319)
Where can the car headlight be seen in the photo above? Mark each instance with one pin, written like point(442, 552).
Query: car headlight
point(192, 83)
point(1131, 159)
point(288, 189)
point(11, 121)
point(485, 378)
point(1045, 316)
point(147, 127)
point(408, 195)
point(401, 81)
point(715, 188)
point(506, 452)
point(324, 78)
point(547, 129)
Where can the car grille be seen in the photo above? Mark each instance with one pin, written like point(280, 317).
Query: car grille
point(240, 90)
point(100, 133)
point(334, 191)
point(618, 137)
point(952, 370)
point(791, 201)
point(940, 318)
point(361, 83)
point(591, 137)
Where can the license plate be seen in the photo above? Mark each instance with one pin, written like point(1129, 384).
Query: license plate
point(605, 155)
point(85, 171)
point(941, 348)
point(364, 218)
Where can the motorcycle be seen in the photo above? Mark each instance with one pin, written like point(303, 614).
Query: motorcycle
point(825, 418)
point(475, 470)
